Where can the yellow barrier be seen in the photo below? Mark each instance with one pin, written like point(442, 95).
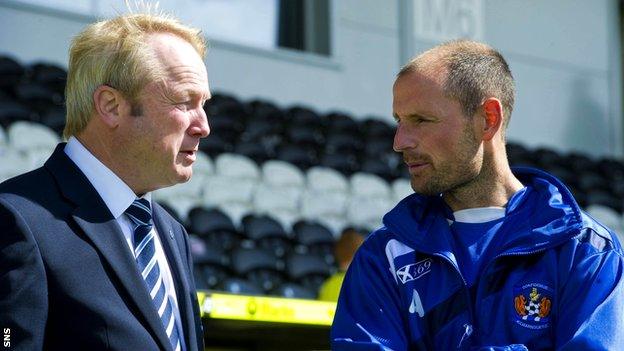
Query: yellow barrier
point(266, 309)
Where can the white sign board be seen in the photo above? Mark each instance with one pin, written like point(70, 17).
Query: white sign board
point(441, 20)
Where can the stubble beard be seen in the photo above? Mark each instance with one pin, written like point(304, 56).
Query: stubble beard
point(456, 173)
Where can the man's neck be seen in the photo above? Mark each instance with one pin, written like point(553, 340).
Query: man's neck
point(493, 187)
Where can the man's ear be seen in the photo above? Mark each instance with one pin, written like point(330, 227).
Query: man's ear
point(110, 105)
point(492, 112)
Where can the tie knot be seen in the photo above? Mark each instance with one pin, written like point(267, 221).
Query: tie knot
point(140, 212)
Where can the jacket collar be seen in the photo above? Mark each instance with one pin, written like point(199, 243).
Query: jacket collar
point(543, 216)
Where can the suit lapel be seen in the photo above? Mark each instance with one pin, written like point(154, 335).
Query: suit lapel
point(172, 249)
point(98, 224)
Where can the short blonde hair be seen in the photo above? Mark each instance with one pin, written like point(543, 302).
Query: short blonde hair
point(115, 52)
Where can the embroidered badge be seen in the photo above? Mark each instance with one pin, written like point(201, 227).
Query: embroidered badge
point(532, 303)
point(413, 271)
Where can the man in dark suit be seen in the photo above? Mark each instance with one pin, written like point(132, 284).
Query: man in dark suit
point(87, 260)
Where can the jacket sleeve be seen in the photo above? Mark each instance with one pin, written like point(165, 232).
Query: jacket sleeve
point(368, 315)
point(591, 306)
point(23, 285)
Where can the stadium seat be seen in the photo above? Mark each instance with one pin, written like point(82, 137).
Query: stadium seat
point(345, 163)
point(314, 238)
point(254, 150)
point(11, 72)
point(203, 164)
point(338, 122)
point(50, 75)
point(367, 212)
point(26, 136)
point(258, 266)
point(282, 174)
point(214, 227)
point(605, 215)
point(267, 233)
point(215, 145)
point(329, 208)
point(309, 271)
point(365, 185)
point(401, 188)
point(298, 155)
point(211, 264)
point(236, 166)
point(325, 179)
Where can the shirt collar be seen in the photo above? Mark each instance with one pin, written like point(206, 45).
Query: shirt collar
point(116, 194)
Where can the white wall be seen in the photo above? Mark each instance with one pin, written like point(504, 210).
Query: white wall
point(565, 56)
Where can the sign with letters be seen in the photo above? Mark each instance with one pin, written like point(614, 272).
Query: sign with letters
point(441, 20)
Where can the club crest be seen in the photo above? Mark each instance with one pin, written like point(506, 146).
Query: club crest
point(532, 304)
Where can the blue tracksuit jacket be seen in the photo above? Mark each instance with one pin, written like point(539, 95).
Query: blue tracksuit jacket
point(555, 281)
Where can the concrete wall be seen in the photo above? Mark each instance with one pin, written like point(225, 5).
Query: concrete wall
point(565, 55)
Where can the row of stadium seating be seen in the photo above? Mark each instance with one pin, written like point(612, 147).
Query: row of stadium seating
point(272, 188)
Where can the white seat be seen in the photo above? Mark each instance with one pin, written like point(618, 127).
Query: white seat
point(203, 164)
point(236, 166)
point(194, 189)
point(369, 185)
point(26, 136)
point(37, 157)
point(605, 215)
point(401, 188)
point(283, 174)
point(3, 138)
point(368, 211)
point(270, 198)
point(13, 162)
point(324, 179)
point(220, 190)
point(181, 205)
point(316, 205)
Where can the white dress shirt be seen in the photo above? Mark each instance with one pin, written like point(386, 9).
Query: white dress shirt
point(118, 197)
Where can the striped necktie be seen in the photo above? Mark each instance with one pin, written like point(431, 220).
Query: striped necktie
point(140, 214)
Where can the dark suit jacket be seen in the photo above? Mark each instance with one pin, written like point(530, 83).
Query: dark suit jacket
point(67, 277)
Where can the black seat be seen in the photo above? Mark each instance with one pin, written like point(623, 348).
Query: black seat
point(343, 143)
point(304, 117)
point(11, 72)
point(376, 128)
point(258, 266)
point(223, 104)
point(267, 233)
point(344, 163)
point(314, 238)
point(211, 265)
point(12, 111)
point(254, 150)
point(215, 145)
point(50, 75)
point(338, 122)
point(214, 227)
point(380, 168)
point(308, 270)
point(293, 291)
point(300, 156)
point(239, 286)
point(37, 96)
point(605, 198)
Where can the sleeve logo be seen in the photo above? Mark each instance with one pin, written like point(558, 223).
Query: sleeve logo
point(413, 271)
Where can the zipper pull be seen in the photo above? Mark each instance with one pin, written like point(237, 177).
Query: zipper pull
point(467, 333)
